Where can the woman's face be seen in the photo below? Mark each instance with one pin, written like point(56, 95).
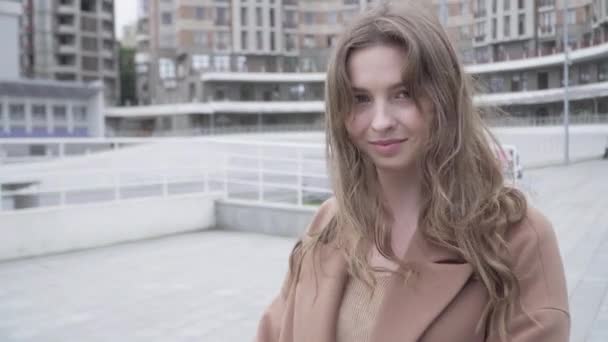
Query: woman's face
point(385, 122)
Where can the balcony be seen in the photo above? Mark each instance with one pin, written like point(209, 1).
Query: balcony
point(107, 53)
point(142, 37)
point(66, 28)
point(546, 31)
point(480, 13)
point(67, 49)
point(66, 9)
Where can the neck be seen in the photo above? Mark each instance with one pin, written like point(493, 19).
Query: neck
point(402, 192)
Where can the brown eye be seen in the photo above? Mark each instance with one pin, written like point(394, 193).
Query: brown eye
point(360, 99)
point(403, 94)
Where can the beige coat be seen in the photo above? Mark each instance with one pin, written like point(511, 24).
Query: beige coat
point(443, 302)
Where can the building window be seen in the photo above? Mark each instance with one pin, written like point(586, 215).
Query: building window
point(221, 16)
point(90, 63)
point(201, 39)
point(221, 63)
point(80, 114)
point(199, 13)
point(480, 31)
point(494, 6)
point(166, 18)
point(243, 16)
point(464, 8)
point(515, 83)
point(89, 44)
point(200, 62)
point(494, 28)
point(244, 38)
point(220, 95)
point(506, 4)
point(271, 17)
point(520, 4)
point(39, 113)
point(273, 46)
point(241, 63)
point(507, 26)
point(571, 16)
point(290, 19)
point(259, 19)
point(543, 80)
point(166, 68)
point(246, 93)
point(16, 112)
point(290, 42)
point(602, 71)
point(496, 84)
point(332, 18)
point(309, 41)
point(584, 74)
point(59, 114)
point(222, 40)
point(308, 18)
point(259, 40)
point(521, 24)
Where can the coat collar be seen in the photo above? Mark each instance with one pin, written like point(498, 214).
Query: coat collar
point(407, 309)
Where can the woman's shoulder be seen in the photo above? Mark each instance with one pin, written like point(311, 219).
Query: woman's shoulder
point(322, 216)
point(536, 261)
point(533, 233)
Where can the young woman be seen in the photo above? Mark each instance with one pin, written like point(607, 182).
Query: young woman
point(423, 240)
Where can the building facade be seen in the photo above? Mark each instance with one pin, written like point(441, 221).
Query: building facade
point(10, 12)
point(70, 40)
point(252, 52)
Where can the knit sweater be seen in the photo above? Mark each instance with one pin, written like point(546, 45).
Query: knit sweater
point(359, 308)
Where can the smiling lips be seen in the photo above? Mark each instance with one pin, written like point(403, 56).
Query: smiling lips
point(387, 147)
point(387, 142)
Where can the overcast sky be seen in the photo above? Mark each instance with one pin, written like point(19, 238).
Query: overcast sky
point(125, 13)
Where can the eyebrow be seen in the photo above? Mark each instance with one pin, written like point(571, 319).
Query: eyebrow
point(391, 87)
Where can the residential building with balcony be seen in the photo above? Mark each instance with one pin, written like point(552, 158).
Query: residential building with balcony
point(70, 40)
point(512, 48)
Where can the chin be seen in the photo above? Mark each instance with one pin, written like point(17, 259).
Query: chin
point(393, 165)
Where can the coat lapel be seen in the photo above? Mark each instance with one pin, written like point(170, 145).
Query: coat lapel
point(408, 309)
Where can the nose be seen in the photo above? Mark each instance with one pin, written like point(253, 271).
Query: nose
point(383, 120)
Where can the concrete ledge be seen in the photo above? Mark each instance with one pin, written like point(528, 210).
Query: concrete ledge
point(281, 220)
point(53, 230)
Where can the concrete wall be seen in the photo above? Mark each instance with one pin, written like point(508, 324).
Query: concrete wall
point(53, 230)
point(544, 146)
point(266, 219)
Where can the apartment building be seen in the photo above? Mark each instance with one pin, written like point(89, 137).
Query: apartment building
point(239, 55)
point(70, 40)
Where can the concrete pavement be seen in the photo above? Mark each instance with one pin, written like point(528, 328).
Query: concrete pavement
point(212, 286)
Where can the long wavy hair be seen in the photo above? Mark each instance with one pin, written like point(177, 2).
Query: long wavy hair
point(466, 206)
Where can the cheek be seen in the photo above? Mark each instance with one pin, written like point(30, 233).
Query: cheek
point(356, 125)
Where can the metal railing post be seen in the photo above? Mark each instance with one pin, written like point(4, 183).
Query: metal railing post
point(300, 192)
point(61, 194)
point(260, 165)
point(165, 184)
point(117, 185)
point(225, 175)
point(61, 150)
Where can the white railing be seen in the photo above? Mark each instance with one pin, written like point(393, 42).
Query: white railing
point(256, 171)
point(553, 120)
point(262, 172)
point(218, 130)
